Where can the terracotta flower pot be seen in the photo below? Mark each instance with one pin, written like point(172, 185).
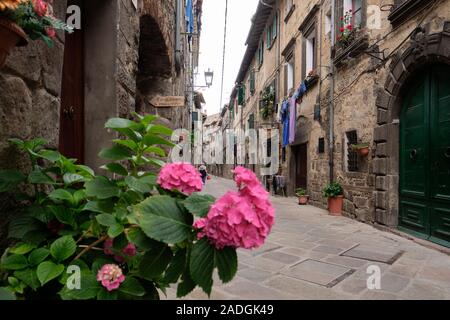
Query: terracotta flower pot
point(364, 152)
point(11, 35)
point(335, 205)
point(303, 200)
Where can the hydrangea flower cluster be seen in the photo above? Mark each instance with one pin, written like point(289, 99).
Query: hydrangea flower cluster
point(240, 219)
point(129, 250)
point(110, 276)
point(180, 176)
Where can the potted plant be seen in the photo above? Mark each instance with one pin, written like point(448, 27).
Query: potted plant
point(347, 30)
point(302, 197)
point(22, 18)
point(268, 100)
point(335, 195)
point(362, 149)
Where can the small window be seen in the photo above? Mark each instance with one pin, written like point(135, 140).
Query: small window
point(251, 121)
point(321, 147)
point(352, 155)
point(272, 32)
point(289, 74)
point(261, 53)
point(252, 82)
point(310, 53)
point(349, 15)
point(328, 24)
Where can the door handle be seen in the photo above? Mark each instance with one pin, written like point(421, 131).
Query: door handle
point(68, 112)
point(413, 154)
point(447, 153)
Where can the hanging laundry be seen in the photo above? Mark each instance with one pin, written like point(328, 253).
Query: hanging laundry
point(285, 121)
point(301, 91)
point(292, 118)
point(189, 17)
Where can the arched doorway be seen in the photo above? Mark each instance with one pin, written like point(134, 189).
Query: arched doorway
point(424, 163)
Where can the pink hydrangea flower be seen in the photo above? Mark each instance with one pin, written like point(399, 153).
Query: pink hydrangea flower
point(240, 219)
point(110, 276)
point(40, 7)
point(180, 176)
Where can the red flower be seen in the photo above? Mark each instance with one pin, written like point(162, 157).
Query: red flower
point(349, 27)
point(50, 32)
point(342, 29)
point(40, 7)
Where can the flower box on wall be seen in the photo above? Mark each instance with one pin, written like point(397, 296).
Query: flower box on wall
point(354, 49)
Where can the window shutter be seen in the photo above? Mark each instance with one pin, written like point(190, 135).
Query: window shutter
point(339, 13)
point(275, 26)
point(268, 37)
point(252, 82)
point(286, 80)
point(304, 58)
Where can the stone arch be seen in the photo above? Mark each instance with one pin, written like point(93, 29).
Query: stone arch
point(423, 49)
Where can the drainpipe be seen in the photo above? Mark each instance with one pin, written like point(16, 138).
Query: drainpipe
point(179, 12)
point(332, 84)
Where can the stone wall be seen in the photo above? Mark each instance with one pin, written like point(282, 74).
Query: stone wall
point(30, 85)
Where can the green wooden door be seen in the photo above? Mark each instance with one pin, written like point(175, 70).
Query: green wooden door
point(425, 156)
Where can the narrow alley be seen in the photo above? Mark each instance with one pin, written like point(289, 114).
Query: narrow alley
point(312, 255)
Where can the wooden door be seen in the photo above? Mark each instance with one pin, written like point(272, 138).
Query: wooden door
point(425, 156)
point(301, 166)
point(71, 136)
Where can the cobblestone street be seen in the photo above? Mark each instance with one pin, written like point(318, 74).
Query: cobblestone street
point(312, 255)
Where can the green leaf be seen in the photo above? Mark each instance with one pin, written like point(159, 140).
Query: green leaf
point(161, 219)
point(89, 288)
point(48, 271)
point(151, 140)
point(38, 255)
point(146, 120)
point(39, 177)
point(21, 225)
point(22, 248)
point(155, 261)
point(104, 294)
point(14, 262)
point(61, 194)
point(156, 162)
point(176, 267)
point(99, 206)
point(137, 185)
point(63, 248)
point(71, 178)
point(132, 286)
point(199, 204)
point(119, 123)
point(115, 230)
point(156, 150)
point(9, 179)
point(227, 262)
point(6, 294)
point(130, 144)
point(63, 214)
point(49, 155)
point(137, 237)
point(29, 277)
point(106, 219)
point(102, 188)
point(79, 196)
point(186, 285)
point(85, 170)
point(115, 168)
point(116, 153)
point(159, 129)
point(202, 264)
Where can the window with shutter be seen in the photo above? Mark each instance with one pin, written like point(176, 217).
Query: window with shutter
point(252, 82)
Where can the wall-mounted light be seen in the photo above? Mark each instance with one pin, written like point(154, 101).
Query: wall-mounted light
point(209, 76)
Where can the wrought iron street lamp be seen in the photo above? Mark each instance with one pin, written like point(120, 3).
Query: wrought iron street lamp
point(209, 76)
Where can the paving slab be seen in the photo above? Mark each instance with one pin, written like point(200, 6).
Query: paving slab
point(371, 253)
point(318, 272)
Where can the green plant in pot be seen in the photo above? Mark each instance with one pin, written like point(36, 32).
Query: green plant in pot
point(302, 196)
point(363, 149)
point(335, 194)
point(23, 19)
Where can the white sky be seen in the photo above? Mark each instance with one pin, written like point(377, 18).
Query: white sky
point(240, 13)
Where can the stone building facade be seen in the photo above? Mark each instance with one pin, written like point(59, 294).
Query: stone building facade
point(125, 53)
point(379, 82)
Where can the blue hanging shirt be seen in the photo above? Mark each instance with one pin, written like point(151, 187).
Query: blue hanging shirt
point(285, 122)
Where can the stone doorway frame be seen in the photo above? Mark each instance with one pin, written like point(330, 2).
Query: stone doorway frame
point(424, 48)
